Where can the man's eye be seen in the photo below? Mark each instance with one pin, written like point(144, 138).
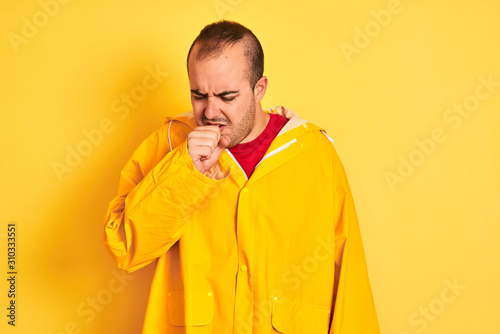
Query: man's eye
point(227, 99)
point(198, 98)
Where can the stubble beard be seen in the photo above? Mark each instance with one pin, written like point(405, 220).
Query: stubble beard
point(243, 127)
point(240, 130)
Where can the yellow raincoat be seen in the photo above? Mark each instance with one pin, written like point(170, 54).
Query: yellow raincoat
point(280, 252)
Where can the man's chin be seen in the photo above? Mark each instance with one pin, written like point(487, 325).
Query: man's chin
point(232, 143)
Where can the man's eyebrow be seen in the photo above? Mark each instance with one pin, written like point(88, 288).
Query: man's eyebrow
point(229, 92)
point(197, 92)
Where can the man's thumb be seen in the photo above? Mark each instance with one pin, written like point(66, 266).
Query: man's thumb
point(223, 143)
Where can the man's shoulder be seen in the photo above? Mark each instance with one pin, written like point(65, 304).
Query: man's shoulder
point(173, 132)
point(166, 137)
point(297, 127)
point(186, 118)
point(180, 126)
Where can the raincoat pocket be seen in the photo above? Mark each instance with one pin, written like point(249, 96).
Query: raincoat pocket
point(294, 317)
point(190, 308)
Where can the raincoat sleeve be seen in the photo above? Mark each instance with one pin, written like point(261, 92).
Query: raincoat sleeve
point(159, 189)
point(354, 309)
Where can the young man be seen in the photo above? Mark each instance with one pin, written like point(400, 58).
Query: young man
point(247, 213)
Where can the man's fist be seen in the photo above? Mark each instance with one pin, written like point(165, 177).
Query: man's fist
point(205, 144)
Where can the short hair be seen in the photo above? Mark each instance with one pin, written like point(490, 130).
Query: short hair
point(217, 36)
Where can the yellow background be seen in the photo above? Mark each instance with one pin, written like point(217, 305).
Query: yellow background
point(436, 225)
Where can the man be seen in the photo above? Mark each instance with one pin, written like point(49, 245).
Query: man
point(247, 213)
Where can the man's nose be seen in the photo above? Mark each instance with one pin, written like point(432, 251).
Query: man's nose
point(211, 109)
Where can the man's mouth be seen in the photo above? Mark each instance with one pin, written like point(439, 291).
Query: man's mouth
point(221, 126)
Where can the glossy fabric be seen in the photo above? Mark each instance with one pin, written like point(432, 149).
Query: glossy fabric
point(280, 252)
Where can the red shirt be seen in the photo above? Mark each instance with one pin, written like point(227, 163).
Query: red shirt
point(249, 154)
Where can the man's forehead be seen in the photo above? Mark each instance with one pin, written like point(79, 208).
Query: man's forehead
point(200, 54)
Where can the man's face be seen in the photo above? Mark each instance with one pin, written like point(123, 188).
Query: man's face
point(221, 93)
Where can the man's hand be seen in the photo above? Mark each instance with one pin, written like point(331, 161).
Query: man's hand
point(205, 144)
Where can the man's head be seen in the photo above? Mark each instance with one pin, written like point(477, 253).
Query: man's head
point(218, 36)
point(225, 67)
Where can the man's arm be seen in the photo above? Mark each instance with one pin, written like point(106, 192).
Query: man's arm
point(159, 190)
point(354, 309)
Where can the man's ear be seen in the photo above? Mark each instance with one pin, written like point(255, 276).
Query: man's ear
point(260, 89)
